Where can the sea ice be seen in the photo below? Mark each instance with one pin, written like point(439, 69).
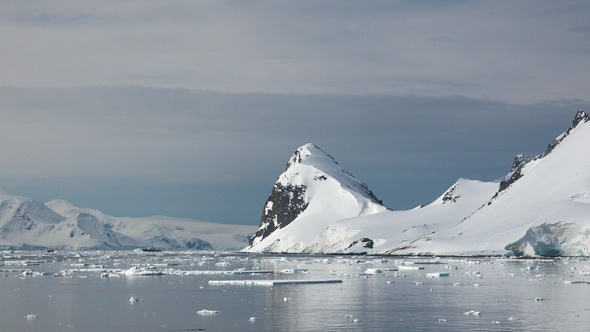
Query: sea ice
point(207, 312)
point(472, 313)
point(437, 274)
point(293, 271)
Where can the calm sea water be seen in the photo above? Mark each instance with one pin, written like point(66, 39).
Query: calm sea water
point(511, 295)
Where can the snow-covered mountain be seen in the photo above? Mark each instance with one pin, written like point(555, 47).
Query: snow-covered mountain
point(542, 207)
point(313, 192)
point(26, 223)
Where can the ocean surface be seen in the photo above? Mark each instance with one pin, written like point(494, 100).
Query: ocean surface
point(170, 291)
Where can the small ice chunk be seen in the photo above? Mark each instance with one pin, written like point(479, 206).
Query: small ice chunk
point(293, 271)
point(31, 317)
point(207, 312)
point(352, 319)
point(437, 274)
point(472, 313)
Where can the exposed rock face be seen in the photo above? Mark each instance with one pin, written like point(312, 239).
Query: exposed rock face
point(284, 204)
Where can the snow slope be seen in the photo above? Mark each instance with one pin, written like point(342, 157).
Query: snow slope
point(26, 223)
point(542, 207)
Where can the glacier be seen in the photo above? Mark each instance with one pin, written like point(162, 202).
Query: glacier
point(29, 224)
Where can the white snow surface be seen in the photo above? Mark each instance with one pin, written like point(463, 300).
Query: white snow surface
point(26, 223)
point(549, 204)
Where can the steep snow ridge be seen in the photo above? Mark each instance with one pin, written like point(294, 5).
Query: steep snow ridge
point(547, 194)
point(312, 192)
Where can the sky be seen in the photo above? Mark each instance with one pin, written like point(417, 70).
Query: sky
point(192, 108)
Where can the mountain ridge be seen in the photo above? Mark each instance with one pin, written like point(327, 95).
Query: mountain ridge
point(58, 224)
point(541, 208)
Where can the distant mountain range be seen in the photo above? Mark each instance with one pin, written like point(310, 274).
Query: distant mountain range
point(29, 224)
point(541, 207)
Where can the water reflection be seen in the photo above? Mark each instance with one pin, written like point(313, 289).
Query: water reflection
point(75, 296)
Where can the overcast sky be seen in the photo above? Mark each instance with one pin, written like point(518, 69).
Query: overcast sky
point(192, 108)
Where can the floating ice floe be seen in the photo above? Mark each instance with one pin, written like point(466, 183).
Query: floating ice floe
point(472, 313)
point(273, 282)
point(207, 312)
point(409, 268)
point(293, 271)
point(437, 274)
point(380, 270)
point(218, 272)
point(135, 271)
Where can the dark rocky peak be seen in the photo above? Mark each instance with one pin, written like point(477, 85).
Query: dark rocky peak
point(521, 160)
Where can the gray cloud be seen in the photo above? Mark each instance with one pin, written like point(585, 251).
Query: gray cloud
point(522, 51)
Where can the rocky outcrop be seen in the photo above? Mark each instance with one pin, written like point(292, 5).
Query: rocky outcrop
point(284, 204)
point(520, 161)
